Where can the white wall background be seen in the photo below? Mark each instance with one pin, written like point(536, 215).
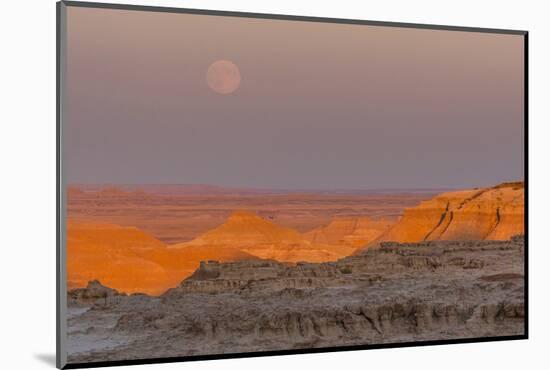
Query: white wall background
point(27, 206)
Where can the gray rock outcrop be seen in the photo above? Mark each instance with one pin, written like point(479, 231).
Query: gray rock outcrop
point(397, 293)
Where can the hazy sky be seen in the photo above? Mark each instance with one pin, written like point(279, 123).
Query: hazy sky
point(319, 106)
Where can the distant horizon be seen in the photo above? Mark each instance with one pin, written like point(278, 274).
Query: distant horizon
point(253, 188)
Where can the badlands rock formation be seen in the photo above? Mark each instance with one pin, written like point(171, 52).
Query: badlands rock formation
point(133, 261)
point(349, 231)
point(113, 255)
point(495, 213)
point(397, 293)
point(254, 235)
point(130, 260)
point(92, 293)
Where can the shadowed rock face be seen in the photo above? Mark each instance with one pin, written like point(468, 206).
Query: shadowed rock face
point(495, 213)
point(396, 293)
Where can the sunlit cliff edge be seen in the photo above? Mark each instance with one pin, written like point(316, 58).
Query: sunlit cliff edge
point(131, 260)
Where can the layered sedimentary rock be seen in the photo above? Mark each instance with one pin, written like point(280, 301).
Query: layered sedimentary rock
point(397, 293)
point(114, 255)
point(92, 293)
point(494, 213)
point(130, 260)
point(246, 231)
point(349, 231)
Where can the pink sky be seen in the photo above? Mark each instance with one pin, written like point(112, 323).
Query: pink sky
point(320, 105)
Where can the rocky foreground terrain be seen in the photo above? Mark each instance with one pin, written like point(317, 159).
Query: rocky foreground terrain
point(395, 293)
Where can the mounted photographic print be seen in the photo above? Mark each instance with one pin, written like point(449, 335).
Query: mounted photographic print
point(236, 184)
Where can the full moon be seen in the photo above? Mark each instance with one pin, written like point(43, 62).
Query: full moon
point(223, 77)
